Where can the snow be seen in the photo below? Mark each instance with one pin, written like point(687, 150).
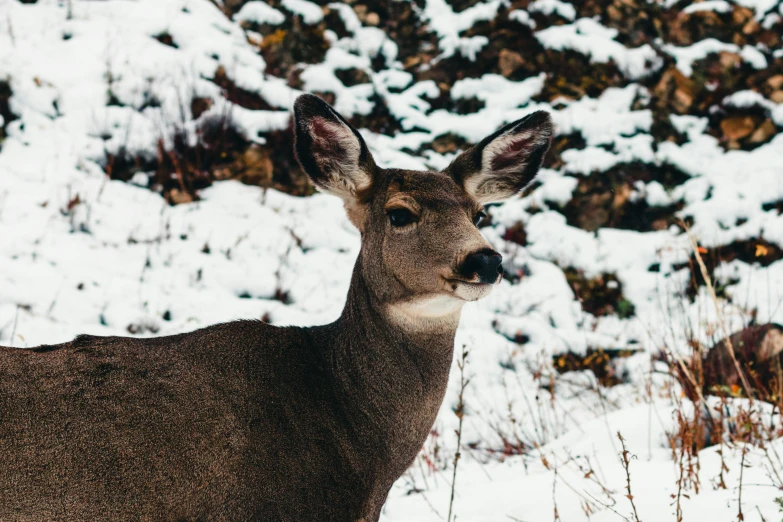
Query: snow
point(523, 17)
point(260, 13)
point(123, 258)
point(719, 6)
point(549, 7)
point(447, 25)
point(589, 37)
point(311, 13)
point(685, 56)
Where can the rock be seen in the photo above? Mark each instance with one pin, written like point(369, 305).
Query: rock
point(516, 234)
point(236, 94)
point(775, 82)
point(740, 15)
point(255, 166)
point(674, 90)
point(594, 212)
point(729, 60)
point(763, 132)
point(412, 61)
point(352, 76)
point(604, 363)
point(328, 97)
point(751, 27)
point(600, 295)
point(372, 19)
point(758, 351)
point(777, 96)
point(449, 142)
point(199, 105)
point(176, 196)
point(621, 195)
point(509, 62)
point(735, 128)
point(682, 99)
point(659, 224)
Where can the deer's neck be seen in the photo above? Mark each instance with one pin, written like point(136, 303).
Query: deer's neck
point(393, 373)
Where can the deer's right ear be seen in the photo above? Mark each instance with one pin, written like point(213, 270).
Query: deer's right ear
point(502, 164)
point(332, 152)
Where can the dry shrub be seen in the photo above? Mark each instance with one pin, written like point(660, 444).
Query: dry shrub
point(601, 362)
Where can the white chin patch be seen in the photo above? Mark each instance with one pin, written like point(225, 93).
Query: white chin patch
point(431, 306)
point(471, 291)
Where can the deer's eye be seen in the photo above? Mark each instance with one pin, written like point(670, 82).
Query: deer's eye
point(478, 217)
point(399, 217)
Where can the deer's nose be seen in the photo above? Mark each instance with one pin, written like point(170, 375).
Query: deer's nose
point(485, 264)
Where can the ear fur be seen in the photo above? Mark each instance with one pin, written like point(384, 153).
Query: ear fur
point(502, 164)
point(332, 153)
point(329, 149)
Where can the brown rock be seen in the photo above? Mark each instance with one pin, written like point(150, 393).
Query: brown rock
point(372, 19)
point(509, 62)
point(659, 224)
point(256, 166)
point(621, 195)
point(412, 61)
point(740, 15)
point(328, 97)
point(594, 211)
point(177, 196)
point(678, 30)
point(775, 82)
point(222, 173)
point(449, 142)
point(757, 350)
point(752, 27)
point(674, 90)
point(199, 105)
point(735, 128)
point(682, 99)
point(614, 14)
point(352, 76)
point(729, 60)
point(763, 132)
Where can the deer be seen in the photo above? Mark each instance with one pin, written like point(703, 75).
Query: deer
point(249, 421)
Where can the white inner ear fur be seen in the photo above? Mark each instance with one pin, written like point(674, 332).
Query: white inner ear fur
point(346, 177)
point(492, 184)
point(501, 145)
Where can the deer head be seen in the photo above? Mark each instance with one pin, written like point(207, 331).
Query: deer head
point(422, 253)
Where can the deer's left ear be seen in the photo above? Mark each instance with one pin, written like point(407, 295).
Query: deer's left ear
point(502, 164)
point(330, 150)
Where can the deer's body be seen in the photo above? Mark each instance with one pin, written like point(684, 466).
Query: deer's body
point(247, 421)
point(238, 421)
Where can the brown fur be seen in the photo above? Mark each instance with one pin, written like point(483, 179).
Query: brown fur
point(247, 421)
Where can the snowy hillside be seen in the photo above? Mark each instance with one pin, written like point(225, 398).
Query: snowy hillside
point(148, 186)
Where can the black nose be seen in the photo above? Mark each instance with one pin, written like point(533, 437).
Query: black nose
point(485, 264)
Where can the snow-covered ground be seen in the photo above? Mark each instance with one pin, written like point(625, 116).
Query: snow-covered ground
point(80, 253)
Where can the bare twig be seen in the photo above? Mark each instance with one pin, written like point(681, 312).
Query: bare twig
point(626, 464)
point(460, 412)
point(554, 499)
point(11, 34)
point(740, 516)
point(13, 330)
